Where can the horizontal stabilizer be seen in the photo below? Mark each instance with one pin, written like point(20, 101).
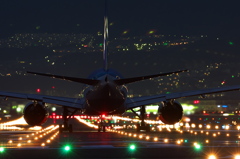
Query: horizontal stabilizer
point(135, 79)
point(73, 79)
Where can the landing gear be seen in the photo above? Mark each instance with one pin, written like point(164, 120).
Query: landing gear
point(102, 125)
point(65, 126)
point(142, 125)
point(101, 128)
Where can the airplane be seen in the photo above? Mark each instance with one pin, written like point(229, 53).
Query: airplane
point(106, 94)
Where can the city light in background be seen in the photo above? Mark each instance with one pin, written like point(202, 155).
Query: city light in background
point(144, 38)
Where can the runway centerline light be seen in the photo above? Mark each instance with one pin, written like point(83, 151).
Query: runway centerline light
point(67, 148)
point(132, 147)
point(1, 149)
point(197, 146)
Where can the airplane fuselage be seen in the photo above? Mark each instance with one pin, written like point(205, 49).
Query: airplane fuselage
point(106, 97)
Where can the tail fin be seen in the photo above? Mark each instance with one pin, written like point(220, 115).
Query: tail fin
point(105, 40)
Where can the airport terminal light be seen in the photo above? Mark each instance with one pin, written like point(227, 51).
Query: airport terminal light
point(18, 109)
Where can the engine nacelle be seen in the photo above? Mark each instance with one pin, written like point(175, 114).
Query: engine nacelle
point(35, 114)
point(170, 112)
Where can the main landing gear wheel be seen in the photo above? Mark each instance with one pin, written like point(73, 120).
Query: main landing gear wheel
point(68, 128)
point(142, 125)
point(101, 125)
point(65, 126)
point(101, 128)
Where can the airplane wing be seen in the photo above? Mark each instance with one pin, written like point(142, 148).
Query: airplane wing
point(62, 101)
point(141, 78)
point(146, 100)
point(72, 79)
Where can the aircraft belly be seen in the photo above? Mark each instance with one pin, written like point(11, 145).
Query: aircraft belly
point(105, 102)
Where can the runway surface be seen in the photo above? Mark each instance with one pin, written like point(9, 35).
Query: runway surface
point(86, 142)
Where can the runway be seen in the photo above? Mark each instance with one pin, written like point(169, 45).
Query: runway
point(86, 142)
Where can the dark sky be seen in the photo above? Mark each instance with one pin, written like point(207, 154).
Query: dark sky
point(215, 17)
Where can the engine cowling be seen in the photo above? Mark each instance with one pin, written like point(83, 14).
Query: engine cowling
point(170, 112)
point(35, 114)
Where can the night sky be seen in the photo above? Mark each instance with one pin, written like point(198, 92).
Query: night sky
point(220, 18)
point(215, 18)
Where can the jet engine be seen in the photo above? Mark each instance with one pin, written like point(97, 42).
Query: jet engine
point(170, 112)
point(35, 113)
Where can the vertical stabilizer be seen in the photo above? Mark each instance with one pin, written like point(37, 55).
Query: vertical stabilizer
point(105, 40)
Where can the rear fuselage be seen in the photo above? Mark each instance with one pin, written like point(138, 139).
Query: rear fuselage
point(106, 97)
